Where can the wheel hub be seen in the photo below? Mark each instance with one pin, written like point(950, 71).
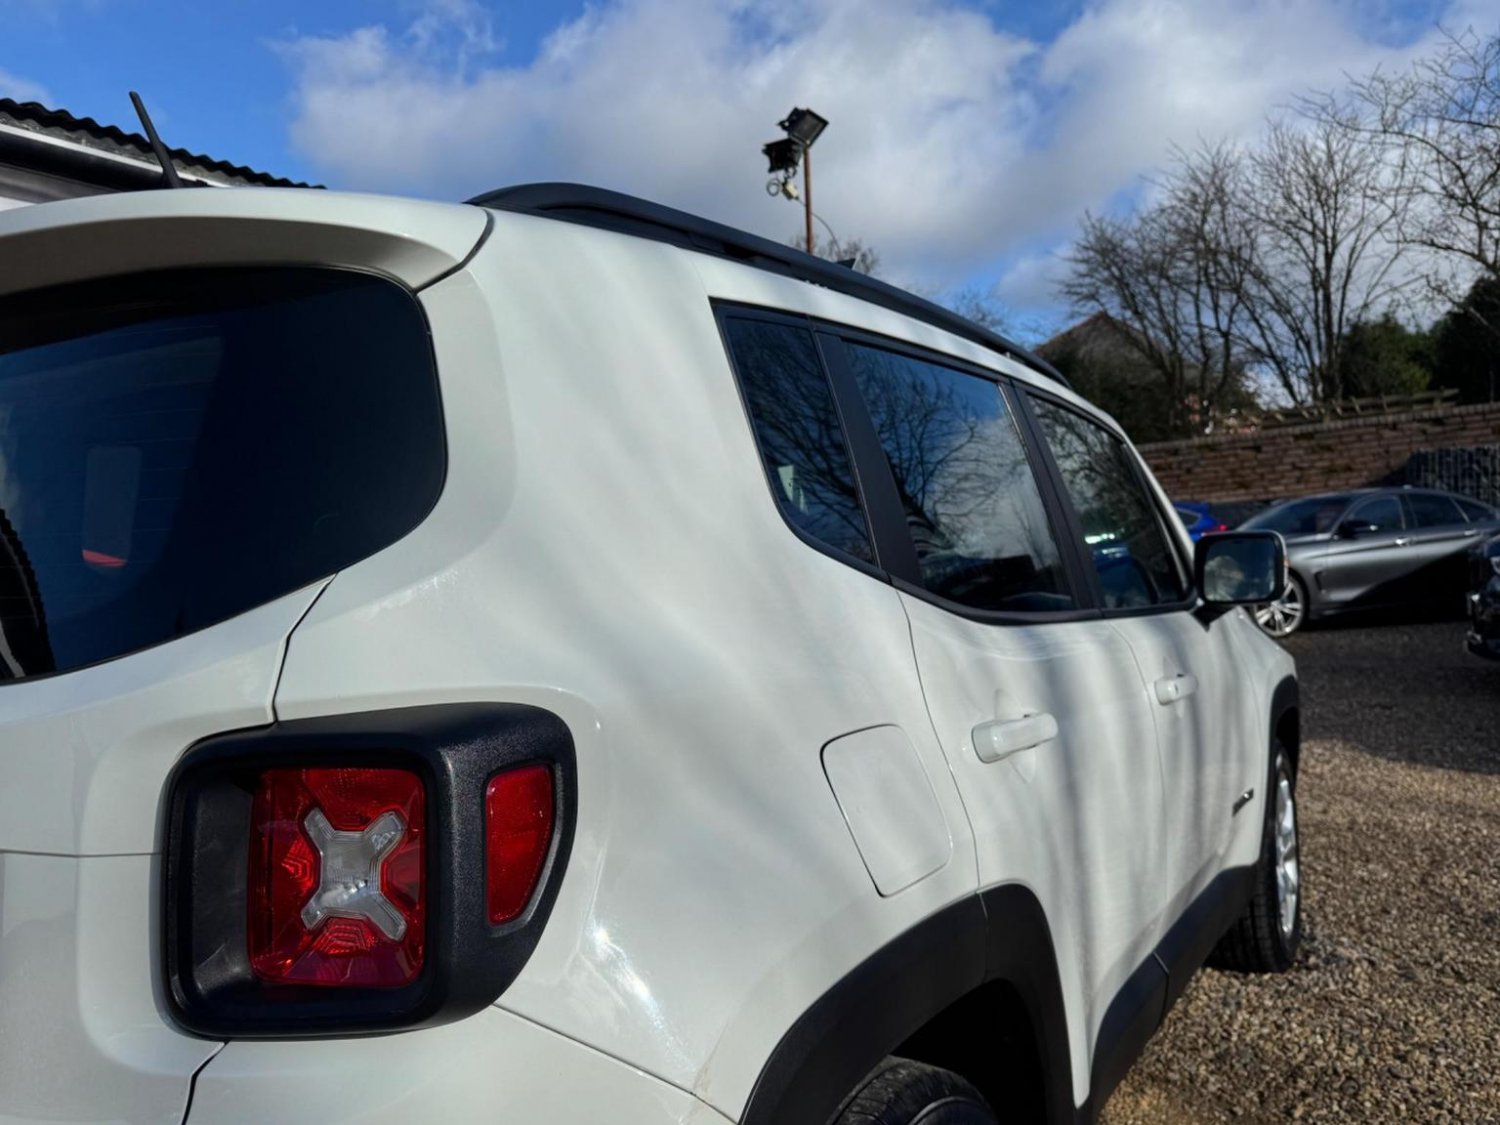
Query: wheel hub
point(1288, 868)
point(1281, 617)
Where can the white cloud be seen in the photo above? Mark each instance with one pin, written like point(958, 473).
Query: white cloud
point(14, 86)
point(1031, 279)
point(953, 143)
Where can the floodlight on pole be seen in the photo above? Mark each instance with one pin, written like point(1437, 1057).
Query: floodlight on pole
point(802, 128)
point(783, 155)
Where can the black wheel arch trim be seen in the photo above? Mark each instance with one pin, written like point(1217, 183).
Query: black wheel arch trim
point(1285, 699)
point(1000, 934)
point(1142, 1003)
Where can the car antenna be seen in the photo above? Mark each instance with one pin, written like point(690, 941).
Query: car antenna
point(168, 169)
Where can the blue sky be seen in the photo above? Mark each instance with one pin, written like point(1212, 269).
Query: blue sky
point(211, 71)
point(967, 138)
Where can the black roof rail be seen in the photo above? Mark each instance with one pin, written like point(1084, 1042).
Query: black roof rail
point(612, 210)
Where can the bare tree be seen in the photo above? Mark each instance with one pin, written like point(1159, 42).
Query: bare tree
point(1322, 210)
point(978, 305)
point(1173, 278)
point(1256, 260)
point(1440, 121)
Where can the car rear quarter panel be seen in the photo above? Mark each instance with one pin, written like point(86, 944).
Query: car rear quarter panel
point(493, 1066)
point(607, 548)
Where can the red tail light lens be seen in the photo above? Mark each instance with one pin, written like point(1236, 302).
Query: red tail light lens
point(518, 813)
point(336, 894)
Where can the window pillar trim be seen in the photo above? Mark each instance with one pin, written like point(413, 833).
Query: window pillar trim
point(895, 552)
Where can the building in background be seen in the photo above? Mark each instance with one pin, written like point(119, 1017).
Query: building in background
point(48, 154)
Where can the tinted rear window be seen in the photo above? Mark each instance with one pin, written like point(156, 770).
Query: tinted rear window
point(179, 447)
point(1475, 512)
point(797, 427)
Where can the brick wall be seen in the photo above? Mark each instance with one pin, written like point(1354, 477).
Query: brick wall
point(1315, 456)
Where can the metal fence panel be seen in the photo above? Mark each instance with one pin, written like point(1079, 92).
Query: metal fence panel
point(1474, 471)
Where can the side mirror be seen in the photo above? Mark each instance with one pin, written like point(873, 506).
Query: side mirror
point(1240, 567)
point(1353, 529)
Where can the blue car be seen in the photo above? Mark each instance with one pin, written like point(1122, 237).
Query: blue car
point(1198, 519)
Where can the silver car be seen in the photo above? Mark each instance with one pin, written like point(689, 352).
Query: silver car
point(1370, 548)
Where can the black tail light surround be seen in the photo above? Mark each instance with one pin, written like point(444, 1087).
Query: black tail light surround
point(437, 955)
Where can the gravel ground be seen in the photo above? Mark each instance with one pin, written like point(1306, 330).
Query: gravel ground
point(1392, 1013)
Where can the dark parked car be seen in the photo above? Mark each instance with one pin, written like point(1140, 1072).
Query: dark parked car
point(1371, 549)
point(1484, 599)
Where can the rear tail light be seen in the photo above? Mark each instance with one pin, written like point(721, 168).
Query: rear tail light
point(336, 891)
point(364, 872)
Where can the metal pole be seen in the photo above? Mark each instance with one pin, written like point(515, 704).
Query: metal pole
point(807, 192)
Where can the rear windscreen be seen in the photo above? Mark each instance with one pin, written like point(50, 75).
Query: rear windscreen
point(179, 447)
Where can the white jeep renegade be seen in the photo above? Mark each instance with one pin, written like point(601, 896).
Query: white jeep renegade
point(559, 660)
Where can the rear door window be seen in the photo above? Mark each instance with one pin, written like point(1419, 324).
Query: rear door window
point(1428, 509)
point(179, 447)
point(964, 482)
point(1123, 535)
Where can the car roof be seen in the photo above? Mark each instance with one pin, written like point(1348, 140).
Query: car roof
point(1343, 495)
point(615, 211)
point(1349, 495)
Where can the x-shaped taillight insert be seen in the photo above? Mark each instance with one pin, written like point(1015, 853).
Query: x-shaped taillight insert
point(349, 867)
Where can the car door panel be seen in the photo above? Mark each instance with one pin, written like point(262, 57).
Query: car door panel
point(1199, 732)
point(1366, 568)
point(1079, 817)
point(1181, 659)
point(1439, 536)
point(1036, 701)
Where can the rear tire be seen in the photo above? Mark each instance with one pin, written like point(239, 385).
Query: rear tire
point(1265, 938)
point(904, 1092)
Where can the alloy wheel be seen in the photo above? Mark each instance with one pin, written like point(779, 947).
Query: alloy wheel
point(1288, 867)
point(1282, 618)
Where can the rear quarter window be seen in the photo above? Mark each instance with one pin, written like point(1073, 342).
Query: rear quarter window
point(179, 447)
point(799, 433)
point(1475, 512)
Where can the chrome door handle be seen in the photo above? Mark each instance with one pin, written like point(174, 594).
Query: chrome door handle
point(1171, 689)
point(1402, 540)
point(1469, 534)
point(995, 741)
